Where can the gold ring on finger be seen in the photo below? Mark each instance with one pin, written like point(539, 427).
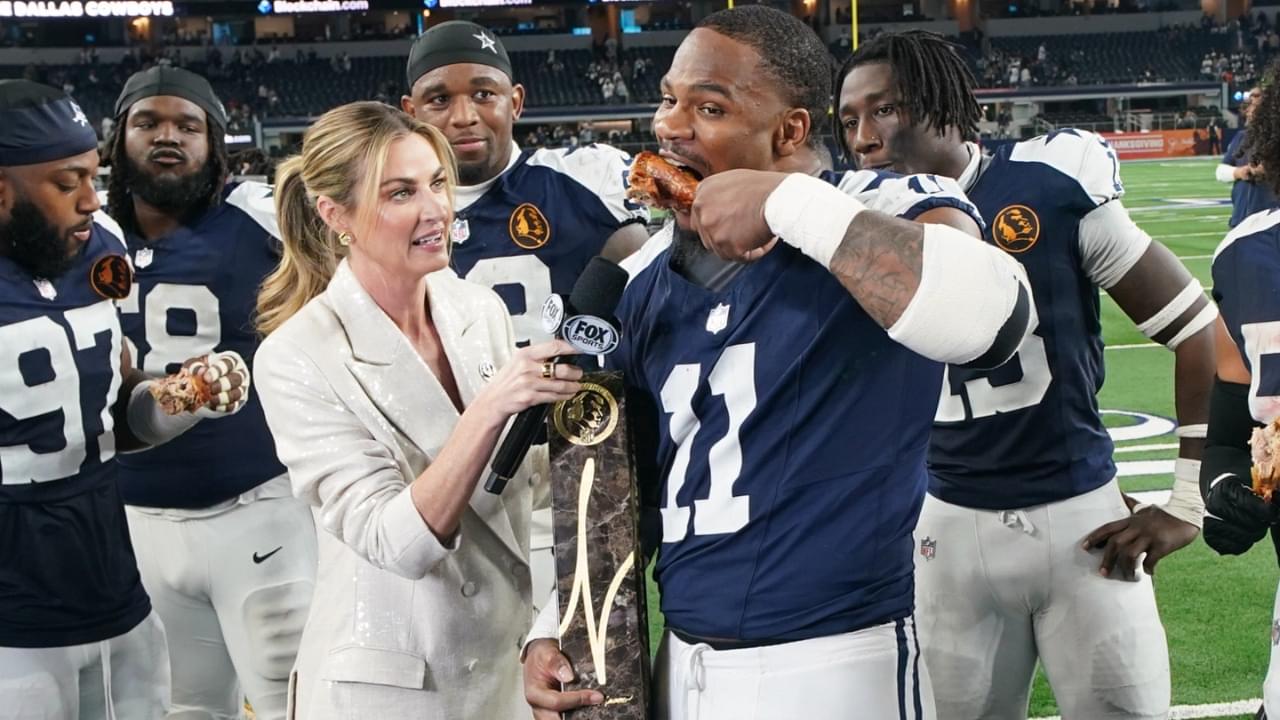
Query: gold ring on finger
point(548, 369)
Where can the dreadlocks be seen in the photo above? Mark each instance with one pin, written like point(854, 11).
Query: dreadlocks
point(120, 194)
point(934, 83)
point(1264, 128)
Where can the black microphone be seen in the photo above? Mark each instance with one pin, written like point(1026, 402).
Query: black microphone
point(587, 323)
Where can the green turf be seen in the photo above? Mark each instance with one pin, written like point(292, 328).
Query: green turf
point(1216, 610)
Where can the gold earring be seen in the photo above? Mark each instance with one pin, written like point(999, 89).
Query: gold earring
point(344, 239)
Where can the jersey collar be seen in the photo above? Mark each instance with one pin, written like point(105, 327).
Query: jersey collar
point(970, 174)
point(465, 195)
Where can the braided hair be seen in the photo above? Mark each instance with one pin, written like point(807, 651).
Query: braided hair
point(120, 197)
point(934, 83)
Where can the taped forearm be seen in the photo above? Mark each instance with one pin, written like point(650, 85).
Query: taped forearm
point(973, 306)
point(939, 291)
point(150, 424)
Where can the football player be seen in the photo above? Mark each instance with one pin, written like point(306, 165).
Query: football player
point(78, 638)
point(527, 221)
point(1022, 484)
point(227, 554)
point(782, 466)
point(1246, 391)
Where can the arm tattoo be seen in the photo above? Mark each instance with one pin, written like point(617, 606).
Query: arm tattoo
point(879, 263)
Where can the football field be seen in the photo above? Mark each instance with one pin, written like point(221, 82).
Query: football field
point(1216, 610)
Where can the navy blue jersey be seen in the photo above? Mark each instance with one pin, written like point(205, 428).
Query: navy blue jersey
point(1247, 197)
point(788, 464)
point(1029, 432)
point(195, 292)
point(67, 570)
point(534, 228)
point(1246, 285)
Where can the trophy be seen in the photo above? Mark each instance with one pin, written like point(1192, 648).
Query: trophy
point(604, 630)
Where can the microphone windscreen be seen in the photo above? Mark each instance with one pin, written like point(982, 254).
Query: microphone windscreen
point(599, 288)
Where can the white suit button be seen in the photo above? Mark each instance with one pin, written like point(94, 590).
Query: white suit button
point(468, 589)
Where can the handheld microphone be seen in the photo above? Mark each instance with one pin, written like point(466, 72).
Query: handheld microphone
point(586, 322)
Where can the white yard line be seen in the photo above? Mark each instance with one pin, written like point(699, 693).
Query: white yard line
point(1134, 346)
point(1147, 448)
point(1212, 710)
point(1205, 233)
point(1135, 468)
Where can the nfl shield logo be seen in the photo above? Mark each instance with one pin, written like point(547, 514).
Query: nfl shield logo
point(46, 289)
point(718, 319)
point(460, 231)
point(928, 548)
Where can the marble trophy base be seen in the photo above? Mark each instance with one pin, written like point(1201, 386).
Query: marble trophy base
point(603, 630)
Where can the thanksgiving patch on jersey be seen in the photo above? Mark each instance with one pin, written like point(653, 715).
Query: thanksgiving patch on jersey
point(1016, 229)
point(529, 227)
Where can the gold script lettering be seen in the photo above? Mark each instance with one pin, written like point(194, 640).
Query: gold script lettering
point(597, 631)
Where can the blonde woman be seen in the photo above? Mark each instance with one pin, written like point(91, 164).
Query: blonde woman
point(387, 382)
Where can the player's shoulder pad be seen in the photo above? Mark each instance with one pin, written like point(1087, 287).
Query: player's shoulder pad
point(1085, 157)
point(908, 196)
point(112, 228)
point(1262, 222)
point(257, 200)
point(601, 169)
point(594, 166)
point(853, 182)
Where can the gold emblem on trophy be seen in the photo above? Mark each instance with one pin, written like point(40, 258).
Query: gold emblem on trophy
point(587, 418)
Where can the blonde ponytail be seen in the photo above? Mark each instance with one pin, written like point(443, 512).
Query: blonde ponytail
point(310, 251)
point(345, 145)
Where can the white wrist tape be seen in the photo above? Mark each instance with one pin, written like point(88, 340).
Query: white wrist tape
point(1198, 430)
point(149, 423)
point(967, 291)
point(810, 215)
point(1185, 502)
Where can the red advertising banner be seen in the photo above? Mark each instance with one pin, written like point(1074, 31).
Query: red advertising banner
point(1159, 143)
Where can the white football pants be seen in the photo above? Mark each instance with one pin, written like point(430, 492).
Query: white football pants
point(874, 673)
point(233, 589)
point(124, 678)
point(995, 590)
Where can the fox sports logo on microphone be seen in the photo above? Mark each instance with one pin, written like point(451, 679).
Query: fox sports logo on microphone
point(590, 335)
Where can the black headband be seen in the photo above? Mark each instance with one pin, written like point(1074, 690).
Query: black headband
point(175, 82)
point(39, 124)
point(453, 42)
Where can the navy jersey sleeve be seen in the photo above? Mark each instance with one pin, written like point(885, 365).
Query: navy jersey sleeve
point(1232, 156)
point(1246, 285)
